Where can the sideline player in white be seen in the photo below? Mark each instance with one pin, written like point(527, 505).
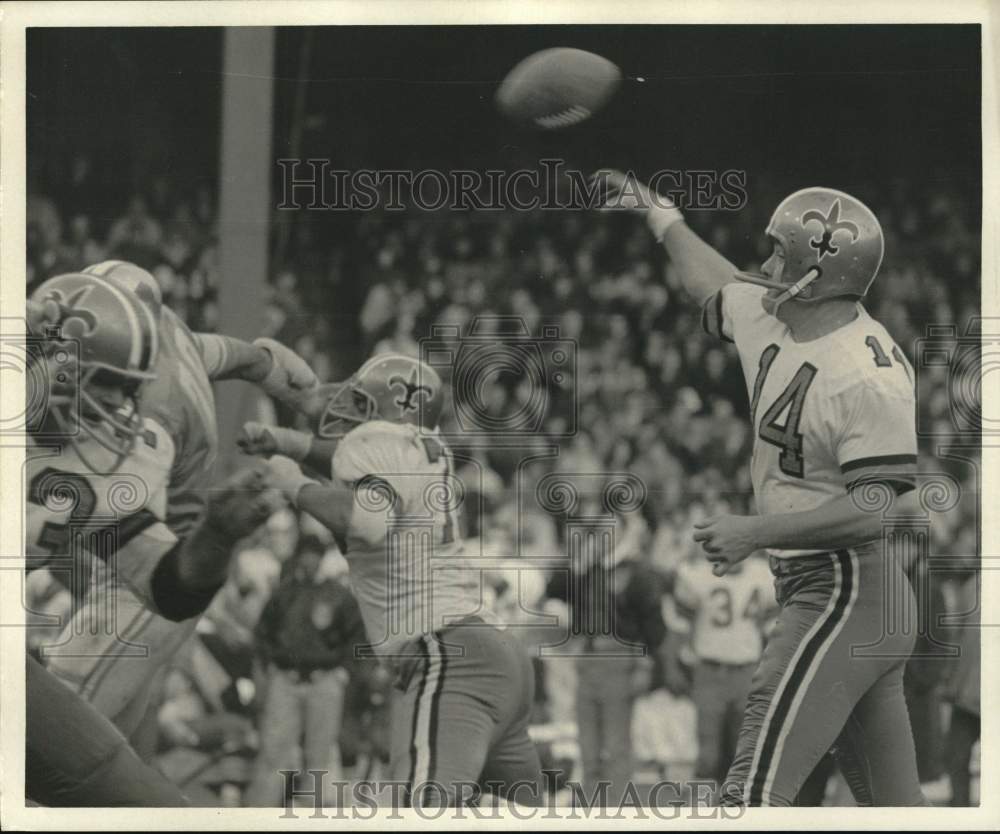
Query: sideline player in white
point(727, 616)
point(832, 406)
point(114, 647)
point(465, 684)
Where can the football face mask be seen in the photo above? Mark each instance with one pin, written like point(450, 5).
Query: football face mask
point(94, 400)
point(391, 387)
point(349, 405)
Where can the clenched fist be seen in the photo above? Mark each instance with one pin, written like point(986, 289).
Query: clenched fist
point(260, 439)
point(290, 379)
point(242, 502)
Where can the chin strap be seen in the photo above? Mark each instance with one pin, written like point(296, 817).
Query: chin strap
point(787, 290)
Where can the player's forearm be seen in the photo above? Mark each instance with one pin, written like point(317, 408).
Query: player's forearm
point(329, 504)
point(836, 524)
point(320, 454)
point(703, 270)
point(227, 357)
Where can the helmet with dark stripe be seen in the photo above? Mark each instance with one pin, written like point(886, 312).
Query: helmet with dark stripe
point(127, 275)
point(111, 337)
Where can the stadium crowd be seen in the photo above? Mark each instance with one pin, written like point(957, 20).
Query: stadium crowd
point(651, 395)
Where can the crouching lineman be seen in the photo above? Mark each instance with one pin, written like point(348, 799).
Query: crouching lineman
point(74, 756)
point(464, 684)
point(96, 653)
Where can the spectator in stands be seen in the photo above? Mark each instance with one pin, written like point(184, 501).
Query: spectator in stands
point(306, 638)
point(135, 236)
point(613, 601)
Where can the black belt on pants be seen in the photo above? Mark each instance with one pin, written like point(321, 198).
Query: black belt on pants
point(303, 674)
point(718, 664)
point(792, 565)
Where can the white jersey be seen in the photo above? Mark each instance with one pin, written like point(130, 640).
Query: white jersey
point(403, 545)
point(727, 612)
point(827, 414)
point(106, 529)
point(73, 510)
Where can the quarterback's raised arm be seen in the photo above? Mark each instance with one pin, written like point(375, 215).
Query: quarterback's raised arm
point(702, 269)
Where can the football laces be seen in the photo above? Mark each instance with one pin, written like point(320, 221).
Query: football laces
point(569, 116)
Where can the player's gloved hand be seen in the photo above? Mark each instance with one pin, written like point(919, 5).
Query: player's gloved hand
point(290, 379)
point(242, 502)
point(260, 439)
point(624, 191)
point(285, 475)
point(727, 540)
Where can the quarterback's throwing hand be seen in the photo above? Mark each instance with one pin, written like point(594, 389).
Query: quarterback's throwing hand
point(623, 191)
point(727, 540)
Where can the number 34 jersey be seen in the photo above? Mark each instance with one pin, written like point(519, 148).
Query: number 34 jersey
point(403, 546)
point(728, 612)
point(827, 414)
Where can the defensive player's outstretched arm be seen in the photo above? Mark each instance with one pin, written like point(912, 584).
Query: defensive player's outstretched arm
point(277, 369)
point(702, 269)
point(179, 578)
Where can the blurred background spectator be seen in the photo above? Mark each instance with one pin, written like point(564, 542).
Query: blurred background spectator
point(305, 640)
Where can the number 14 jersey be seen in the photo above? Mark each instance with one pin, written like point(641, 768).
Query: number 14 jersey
point(827, 414)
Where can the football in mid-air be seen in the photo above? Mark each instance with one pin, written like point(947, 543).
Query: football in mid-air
point(558, 88)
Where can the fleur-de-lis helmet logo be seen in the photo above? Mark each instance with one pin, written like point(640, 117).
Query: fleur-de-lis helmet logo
point(830, 224)
point(411, 390)
point(77, 322)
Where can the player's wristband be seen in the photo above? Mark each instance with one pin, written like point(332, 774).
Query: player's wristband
point(276, 380)
point(173, 599)
point(291, 442)
point(661, 218)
